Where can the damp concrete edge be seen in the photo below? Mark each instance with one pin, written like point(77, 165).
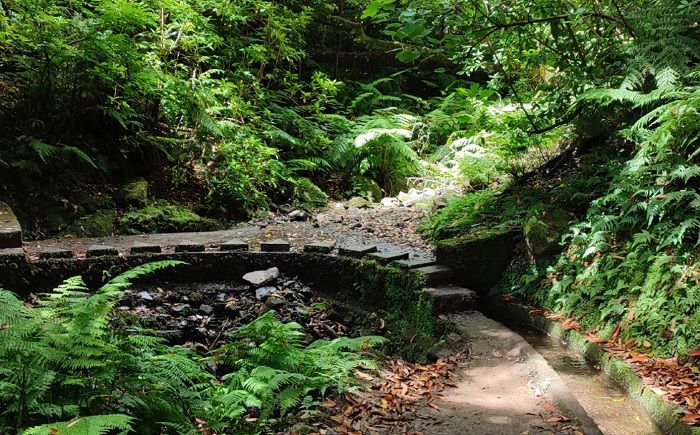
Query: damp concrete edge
point(666, 415)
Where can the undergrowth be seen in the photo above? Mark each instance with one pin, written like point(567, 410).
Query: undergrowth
point(64, 367)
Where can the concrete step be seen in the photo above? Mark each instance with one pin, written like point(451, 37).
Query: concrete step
point(414, 263)
point(387, 257)
point(356, 251)
point(451, 299)
point(436, 275)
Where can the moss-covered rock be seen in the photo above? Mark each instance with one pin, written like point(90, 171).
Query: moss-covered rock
point(478, 260)
point(307, 195)
point(98, 224)
point(367, 188)
point(134, 194)
point(543, 228)
point(164, 217)
point(357, 202)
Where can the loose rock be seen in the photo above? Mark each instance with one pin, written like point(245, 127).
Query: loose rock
point(259, 278)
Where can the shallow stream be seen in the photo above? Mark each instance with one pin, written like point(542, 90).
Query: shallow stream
point(604, 400)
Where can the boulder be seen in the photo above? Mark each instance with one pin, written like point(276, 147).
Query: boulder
point(98, 224)
point(407, 199)
point(357, 202)
point(543, 229)
point(263, 292)
point(367, 188)
point(390, 202)
point(286, 208)
point(259, 278)
point(164, 217)
point(298, 215)
point(134, 194)
point(274, 302)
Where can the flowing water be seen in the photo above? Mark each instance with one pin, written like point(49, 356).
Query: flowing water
point(602, 398)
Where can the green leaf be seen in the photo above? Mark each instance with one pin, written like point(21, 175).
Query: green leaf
point(408, 55)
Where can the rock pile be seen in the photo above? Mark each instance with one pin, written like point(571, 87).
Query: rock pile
point(202, 315)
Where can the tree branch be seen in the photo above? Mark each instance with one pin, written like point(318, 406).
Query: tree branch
point(549, 19)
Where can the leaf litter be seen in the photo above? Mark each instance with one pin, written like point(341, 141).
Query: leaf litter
point(677, 381)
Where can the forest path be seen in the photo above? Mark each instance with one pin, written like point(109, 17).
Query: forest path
point(390, 228)
point(501, 388)
point(497, 391)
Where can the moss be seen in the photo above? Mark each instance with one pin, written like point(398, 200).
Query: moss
point(407, 310)
point(357, 202)
point(98, 224)
point(307, 195)
point(367, 188)
point(543, 228)
point(134, 193)
point(164, 217)
point(480, 259)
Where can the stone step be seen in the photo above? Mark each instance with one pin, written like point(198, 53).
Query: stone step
point(356, 251)
point(55, 253)
point(101, 251)
point(277, 245)
point(189, 246)
point(10, 231)
point(234, 245)
point(12, 257)
point(319, 247)
point(436, 275)
point(414, 263)
point(451, 298)
point(388, 256)
point(144, 248)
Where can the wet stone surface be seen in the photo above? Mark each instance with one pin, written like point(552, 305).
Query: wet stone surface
point(189, 246)
point(55, 253)
point(100, 251)
point(142, 248)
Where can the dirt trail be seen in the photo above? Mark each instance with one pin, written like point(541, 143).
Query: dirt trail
point(499, 391)
point(388, 228)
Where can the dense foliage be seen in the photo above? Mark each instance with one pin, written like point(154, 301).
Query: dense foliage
point(66, 357)
point(518, 107)
point(630, 264)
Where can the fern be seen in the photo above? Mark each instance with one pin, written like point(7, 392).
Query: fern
point(92, 425)
point(275, 371)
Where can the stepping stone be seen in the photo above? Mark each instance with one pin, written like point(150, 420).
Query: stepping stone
point(189, 246)
point(414, 263)
point(12, 256)
point(234, 245)
point(276, 245)
point(101, 251)
point(388, 257)
point(319, 247)
point(10, 230)
point(356, 251)
point(143, 248)
point(436, 275)
point(451, 298)
point(54, 253)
